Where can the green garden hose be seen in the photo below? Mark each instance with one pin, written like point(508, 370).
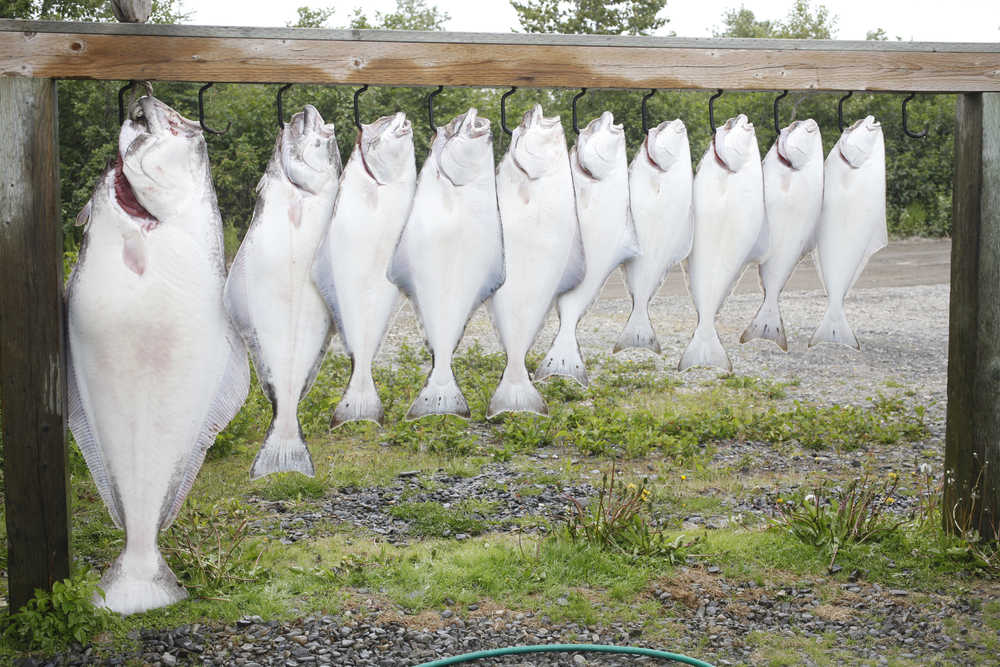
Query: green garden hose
point(565, 648)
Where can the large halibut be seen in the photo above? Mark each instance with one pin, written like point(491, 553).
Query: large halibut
point(156, 370)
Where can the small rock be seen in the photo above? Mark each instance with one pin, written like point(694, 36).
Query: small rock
point(168, 660)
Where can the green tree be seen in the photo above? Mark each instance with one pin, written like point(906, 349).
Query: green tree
point(802, 22)
point(593, 17)
point(409, 15)
point(312, 18)
point(164, 11)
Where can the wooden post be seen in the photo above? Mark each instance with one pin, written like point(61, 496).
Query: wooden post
point(972, 450)
point(32, 362)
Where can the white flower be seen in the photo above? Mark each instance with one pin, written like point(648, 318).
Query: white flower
point(925, 469)
point(809, 498)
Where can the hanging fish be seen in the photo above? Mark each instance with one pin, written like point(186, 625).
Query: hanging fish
point(269, 292)
point(542, 249)
point(156, 370)
point(730, 232)
point(852, 222)
point(375, 196)
point(600, 181)
point(450, 255)
point(659, 183)
point(793, 195)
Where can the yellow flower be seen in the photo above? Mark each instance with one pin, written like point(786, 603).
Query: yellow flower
point(630, 487)
point(890, 499)
point(780, 500)
point(683, 477)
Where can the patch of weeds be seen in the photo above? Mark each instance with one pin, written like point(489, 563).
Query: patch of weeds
point(433, 519)
point(621, 376)
point(760, 386)
point(525, 433)
point(210, 550)
point(618, 520)
point(559, 390)
point(316, 408)
point(247, 426)
point(292, 486)
point(478, 373)
point(442, 434)
point(50, 621)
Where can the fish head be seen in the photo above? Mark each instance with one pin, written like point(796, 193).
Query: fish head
point(735, 142)
point(309, 154)
point(601, 146)
point(163, 161)
point(466, 150)
point(667, 143)
point(800, 142)
point(387, 147)
point(536, 143)
point(860, 140)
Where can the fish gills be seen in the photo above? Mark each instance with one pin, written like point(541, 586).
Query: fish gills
point(793, 195)
point(542, 249)
point(730, 231)
point(376, 192)
point(269, 292)
point(852, 224)
point(659, 184)
point(156, 369)
point(600, 183)
point(449, 258)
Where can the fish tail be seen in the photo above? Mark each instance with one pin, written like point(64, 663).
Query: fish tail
point(563, 358)
point(834, 328)
point(705, 349)
point(638, 332)
point(135, 584)
point(281, 453)
point(767, 325)
point(360, 402)
point(440, 396)
point(515, 393)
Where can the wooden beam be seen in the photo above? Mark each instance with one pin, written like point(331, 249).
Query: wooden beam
point(972, 447)
point(403, 58)
point(32, 362)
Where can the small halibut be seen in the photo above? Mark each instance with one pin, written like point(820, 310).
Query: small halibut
point(542, 249)
point(659, 183)
point(269, 292)
point(793, 195)
point(852, 222)
point(155, 369)
point(376, 192)
point(600, 181)
point(730, 232)
point(449, 258)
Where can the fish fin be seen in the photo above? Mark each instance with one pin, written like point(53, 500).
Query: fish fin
point(399, 272)
point(496, 277)
point(835, 329)
point(767, 325)
point(439, 399)
point(83, 217)
point(322, 277)
point(628, 247)
point(563, 358)
point(705, 349)
point(134, 253)
point(359, 403)
point(516, 396)
point(230, 394)
point(235, 297)
point(576, 264)
point(638, 332)
point(280, 454)
point(131, 587)
point(86, 440)
point(762, 247)
point(879, 239)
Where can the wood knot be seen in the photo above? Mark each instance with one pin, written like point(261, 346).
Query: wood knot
point(76, 46)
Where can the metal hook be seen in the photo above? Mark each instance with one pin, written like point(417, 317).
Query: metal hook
point(906, 118)
point(201, 112)
point(583, 91)
point(645, 112)
point(430, 106)
point(121, 96)
point(711, 111)
point(503, 111)
point(281, 105)
point(777, 125)
point(840, 109)
point(357, 114)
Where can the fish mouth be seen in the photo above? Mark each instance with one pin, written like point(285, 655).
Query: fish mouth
point(472, 125)
point(135, 131)
point(396, 126)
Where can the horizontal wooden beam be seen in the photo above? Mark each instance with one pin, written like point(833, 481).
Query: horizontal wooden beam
point(405, 58)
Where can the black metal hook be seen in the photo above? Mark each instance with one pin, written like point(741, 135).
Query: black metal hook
point(201, 112)
point(430, 106)
point(645, 112)
point(777, 124)
point(906, 127)
point(840, 109)
point(281, 105)
point(357, 114)
point(121, 96)
point(583, 91)
point(503, 111)
point(711, 111)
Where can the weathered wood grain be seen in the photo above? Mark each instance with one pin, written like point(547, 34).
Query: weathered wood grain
point(32, 362)
point(972, 448)
point(189, 53)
